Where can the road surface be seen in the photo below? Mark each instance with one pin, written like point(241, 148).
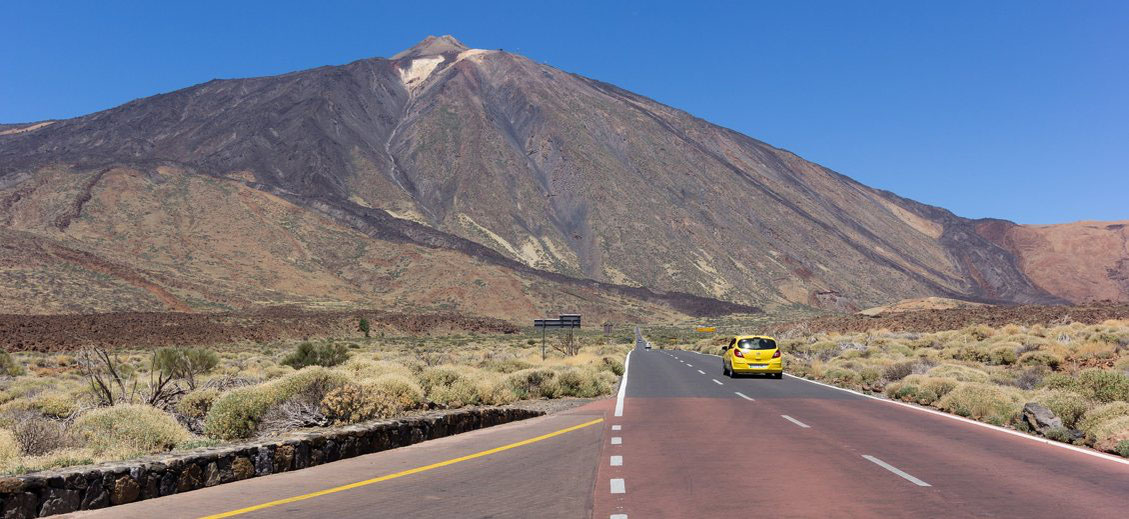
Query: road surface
point(690, 442)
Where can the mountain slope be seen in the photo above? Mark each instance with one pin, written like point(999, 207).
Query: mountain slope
point(546, 174)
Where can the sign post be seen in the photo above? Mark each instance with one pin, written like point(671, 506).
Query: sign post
point(569, 321)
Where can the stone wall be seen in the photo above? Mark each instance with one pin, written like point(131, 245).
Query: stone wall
point(98, 486)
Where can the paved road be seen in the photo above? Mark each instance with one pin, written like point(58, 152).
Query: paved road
point(689, 442)
point(693, 443)
point(553, 477)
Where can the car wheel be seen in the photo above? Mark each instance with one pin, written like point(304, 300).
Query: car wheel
point(778, 375)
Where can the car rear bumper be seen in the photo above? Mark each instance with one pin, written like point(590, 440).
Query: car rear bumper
point(771, 368)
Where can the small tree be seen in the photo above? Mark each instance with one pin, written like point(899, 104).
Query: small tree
point(185, 363)
point(309, 354)
point(364, 326)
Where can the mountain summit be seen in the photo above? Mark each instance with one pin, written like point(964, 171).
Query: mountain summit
point(479, 181)
point(432, 46)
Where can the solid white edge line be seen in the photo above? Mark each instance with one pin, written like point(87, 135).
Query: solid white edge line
point(742, 395)
point(702, 372)
point(616, 427)
point(795, 421)
point(622, 386)
point(718, 382)
point(896, 470)
point(617, 461)
point(618, 487)
point(1052, 443)
point(1067, 446)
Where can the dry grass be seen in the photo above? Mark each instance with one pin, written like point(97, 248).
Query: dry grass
point(49, 416)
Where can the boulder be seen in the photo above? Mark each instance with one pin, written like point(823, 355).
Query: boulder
point(1040, 418)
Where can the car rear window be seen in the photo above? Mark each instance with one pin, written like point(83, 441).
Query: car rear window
point(756, 344)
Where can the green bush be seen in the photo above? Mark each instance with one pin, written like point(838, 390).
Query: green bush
point(533, 383)
point(9, 366)
point(1003, 356)
point(131, 426)
point(612, 364)
point(197, 403)
point(1040, 358)
point(1098, 384)
point(985, 402)
point(185, 363)
point(310, 354)
point(580, 383)
point(1122, 448)
point(462, 391)
point(1067, 405)
point(238, 413)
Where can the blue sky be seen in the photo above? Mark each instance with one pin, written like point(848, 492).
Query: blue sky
point(1017, 110)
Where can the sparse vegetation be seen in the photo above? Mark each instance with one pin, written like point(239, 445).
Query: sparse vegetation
point(1078, 371)
point(103, 405)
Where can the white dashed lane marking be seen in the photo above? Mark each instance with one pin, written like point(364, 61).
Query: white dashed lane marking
point(718, 382)
point(616, 440)
point(795, 421)
point(702, 372)
point(618, 487)
point(616, 427)
point(897, 471)
point(617, 461)
point(742, 395)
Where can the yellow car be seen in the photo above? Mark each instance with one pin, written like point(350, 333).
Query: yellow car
point(752, 354)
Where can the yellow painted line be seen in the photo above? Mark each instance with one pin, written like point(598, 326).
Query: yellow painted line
point(408, 472)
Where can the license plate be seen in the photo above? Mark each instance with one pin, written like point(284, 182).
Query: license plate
point(758, 366)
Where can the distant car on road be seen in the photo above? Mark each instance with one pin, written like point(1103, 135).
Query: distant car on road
point(752, 354)
point(647, 345)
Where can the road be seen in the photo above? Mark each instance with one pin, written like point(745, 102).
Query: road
point(690, 442)
point(693, 443)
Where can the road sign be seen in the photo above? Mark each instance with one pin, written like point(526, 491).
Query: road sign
point(564, 321)
point(707, 329)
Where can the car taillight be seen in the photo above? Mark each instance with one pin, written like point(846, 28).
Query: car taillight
point(737, 353)
point(776, 355)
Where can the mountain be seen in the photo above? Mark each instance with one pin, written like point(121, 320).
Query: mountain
point(447, 165)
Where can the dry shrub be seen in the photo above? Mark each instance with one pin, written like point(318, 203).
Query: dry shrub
point(36, 434)
point(898, 371)
point(533, 383)
point(1067, 405)
point(959, 373)
point(1097, 384)
point(9, 366)
point(385, 397)
point(9, 447)
point(495, 390)
point(921, 389)
point(583, 383)
point(990, 403)
point(1100, 414)
point(361, 368)
point(1040, 358)
point(55, 405)
point(197, 403)
point(1108, 434)
point(130, 426)
point(1003, 355)
point(239, 413)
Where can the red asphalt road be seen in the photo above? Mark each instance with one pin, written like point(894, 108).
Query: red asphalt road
point(693, 448)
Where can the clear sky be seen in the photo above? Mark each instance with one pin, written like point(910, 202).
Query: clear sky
point(1017, 110)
